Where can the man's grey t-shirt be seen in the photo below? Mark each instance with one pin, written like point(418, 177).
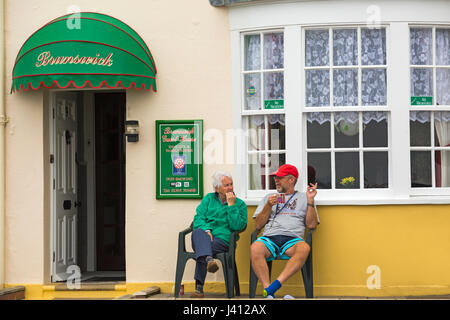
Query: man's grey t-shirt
point(290, 221)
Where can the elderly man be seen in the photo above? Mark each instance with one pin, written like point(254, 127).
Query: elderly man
point(218, 215)
point(284, 217)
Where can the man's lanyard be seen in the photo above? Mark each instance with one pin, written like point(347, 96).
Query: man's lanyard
point(277, 212)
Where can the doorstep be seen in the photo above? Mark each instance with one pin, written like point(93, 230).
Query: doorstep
point(108, 290)
point(14, 293)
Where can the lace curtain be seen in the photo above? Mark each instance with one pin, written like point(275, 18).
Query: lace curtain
point(350, 117)
point(345, 81)
point(273, 82)
point(421, 47)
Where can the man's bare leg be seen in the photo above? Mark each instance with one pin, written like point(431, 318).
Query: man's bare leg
point(259, 253)
point(298, 253)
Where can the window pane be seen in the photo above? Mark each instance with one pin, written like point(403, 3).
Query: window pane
point(373, 46)
point(275, 161)
point(419, 129)
point(376, 169)
point(277, 132)
point(317, 88)
point(443, 86)
point(257, 175)
point(442, 161)
point(273, 87)
point(318, 130)
point(317, 48)
point(421, 46)
point(273, 51)
point(320, 164)
point(420, 169)
point(421, 83)
point(374, 87)
point(346, 129)
point(345, 47)
point(375, 132)
point(252, 91)
point(443, 46)
point(345, 87)
point(442, 128)
point(347, 170)
point(257, 133)
point(252, 52)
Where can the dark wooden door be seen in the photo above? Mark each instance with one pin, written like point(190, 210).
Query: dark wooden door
point(110, 180)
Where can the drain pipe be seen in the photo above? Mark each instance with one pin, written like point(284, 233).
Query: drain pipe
point(3, 121)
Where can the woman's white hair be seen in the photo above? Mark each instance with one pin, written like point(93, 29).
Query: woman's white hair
point(218, 177)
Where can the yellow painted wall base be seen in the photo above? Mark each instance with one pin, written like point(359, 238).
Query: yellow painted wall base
point(48, 292)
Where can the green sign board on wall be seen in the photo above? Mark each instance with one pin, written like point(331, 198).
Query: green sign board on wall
point(273, 104)
point(179, 165)
point(421, 101)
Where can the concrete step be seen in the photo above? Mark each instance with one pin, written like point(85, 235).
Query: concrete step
point(84, 291)
point(14, 293)
point(143, 294)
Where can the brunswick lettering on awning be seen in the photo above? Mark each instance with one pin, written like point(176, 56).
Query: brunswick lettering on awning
point(84, 50)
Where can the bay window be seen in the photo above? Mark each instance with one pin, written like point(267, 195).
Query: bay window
point(333, 100)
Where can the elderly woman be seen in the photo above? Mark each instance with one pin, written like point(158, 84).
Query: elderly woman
point(218, 215)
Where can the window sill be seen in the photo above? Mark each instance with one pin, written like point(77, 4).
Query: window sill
point(369, 201)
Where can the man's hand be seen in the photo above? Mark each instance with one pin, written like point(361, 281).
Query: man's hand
point(311, 192)
point(264, 215)
point(231, 198)
point(272, 200)
point(210, 235)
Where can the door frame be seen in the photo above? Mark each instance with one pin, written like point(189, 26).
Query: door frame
point(88, 98)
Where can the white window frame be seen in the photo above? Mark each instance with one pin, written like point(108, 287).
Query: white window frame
point(304, 110)
point(245, 114)
point(433, 190)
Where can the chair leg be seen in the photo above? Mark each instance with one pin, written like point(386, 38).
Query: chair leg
point(181, 264)
point(226, 276)
point(236, 281)
point(253, 282)
point(307, 274)
point(230, 277)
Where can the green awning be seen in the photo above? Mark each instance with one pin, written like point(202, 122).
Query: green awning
point(84, 50)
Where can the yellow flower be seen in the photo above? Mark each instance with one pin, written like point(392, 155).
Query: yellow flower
point(348, 181)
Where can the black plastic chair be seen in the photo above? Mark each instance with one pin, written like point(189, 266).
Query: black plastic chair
point(307, 269)
point(228, 260)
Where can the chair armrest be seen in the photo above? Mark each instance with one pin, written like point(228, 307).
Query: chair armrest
point(182, 238)
point(309, 237)
point(254, 235)
point(234, 238)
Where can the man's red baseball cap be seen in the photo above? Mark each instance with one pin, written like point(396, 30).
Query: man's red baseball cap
point(286, 169)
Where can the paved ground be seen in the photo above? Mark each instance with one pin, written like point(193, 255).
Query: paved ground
point(217, 296)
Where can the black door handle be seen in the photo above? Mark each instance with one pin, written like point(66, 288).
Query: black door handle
point(67, 205)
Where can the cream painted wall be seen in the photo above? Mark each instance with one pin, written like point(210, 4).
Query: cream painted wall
point(24, 188)
point(189, 41)
point(192, 54)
